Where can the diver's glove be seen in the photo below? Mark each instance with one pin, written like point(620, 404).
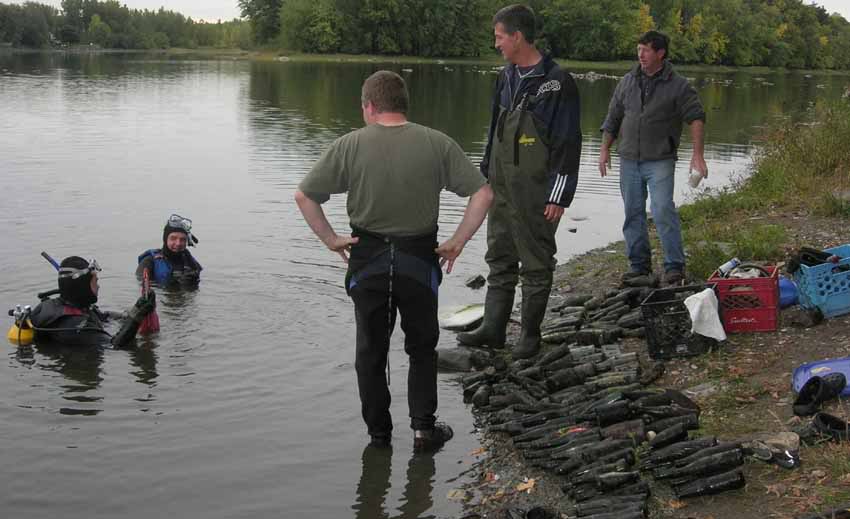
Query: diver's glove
point(144, 306)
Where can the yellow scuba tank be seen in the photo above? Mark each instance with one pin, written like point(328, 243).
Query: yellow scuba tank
point(21, 333)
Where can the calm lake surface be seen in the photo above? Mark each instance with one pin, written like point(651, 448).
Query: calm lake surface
point(245, 404)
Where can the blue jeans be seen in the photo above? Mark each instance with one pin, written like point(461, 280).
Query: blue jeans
point(655, 177)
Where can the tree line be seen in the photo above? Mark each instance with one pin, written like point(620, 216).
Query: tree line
point(775, 33)
point(110, 24)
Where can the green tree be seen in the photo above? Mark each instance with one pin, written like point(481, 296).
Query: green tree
point(32, 24)
point(311, 25)
point(264, 16)
point(99, 31)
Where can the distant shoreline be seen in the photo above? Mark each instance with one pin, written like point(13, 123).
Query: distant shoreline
point(493, 61)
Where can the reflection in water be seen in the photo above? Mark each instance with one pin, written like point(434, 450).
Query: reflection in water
point(179, 305)
point(419, 487)
point(81, 367)
point(374, 485)
point(144, 357)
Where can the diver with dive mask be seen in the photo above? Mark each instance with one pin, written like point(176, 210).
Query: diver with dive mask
point(73, 318)
point(172, 264)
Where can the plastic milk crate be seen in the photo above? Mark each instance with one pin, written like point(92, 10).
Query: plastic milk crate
point(748, 305)
point(668, 324)
point(827, 286)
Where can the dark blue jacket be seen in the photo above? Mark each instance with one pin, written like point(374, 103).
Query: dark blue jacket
point(550, 96)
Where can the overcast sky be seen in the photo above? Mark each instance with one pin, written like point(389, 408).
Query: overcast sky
point(213, 10)
point(210, 10)
point(841, 7)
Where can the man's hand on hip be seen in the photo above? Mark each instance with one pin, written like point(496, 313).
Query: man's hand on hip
point(341, 245)
point(553, 212)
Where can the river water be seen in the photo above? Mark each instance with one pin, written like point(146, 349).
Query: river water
point(245, 404)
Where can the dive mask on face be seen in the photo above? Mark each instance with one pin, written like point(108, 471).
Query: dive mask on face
point(177, 223)
point(74, 273)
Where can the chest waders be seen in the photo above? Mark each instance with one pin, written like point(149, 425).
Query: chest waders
point(520, 241)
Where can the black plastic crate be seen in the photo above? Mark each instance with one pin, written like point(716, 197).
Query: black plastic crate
point(668, 324)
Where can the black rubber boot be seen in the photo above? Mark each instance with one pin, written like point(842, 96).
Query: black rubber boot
point(491, 332)
point(534, 301)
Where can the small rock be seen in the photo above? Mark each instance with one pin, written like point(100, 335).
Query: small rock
point(476, 282)
point(842, 195)
point(819, 473)
point(461, 359)
point(703, 390)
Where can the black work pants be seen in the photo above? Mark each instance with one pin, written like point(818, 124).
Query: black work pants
point(375, 316)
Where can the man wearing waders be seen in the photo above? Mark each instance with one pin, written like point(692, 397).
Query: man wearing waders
point(393, 171)
point(531, 161)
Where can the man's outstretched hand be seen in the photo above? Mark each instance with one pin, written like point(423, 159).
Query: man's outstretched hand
point(448, 251)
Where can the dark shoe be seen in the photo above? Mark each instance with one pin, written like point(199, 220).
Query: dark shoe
point(431, 440)
point(808, 399)
point(674, 278)
point(491, 332)
point(810, 435)
point(534, 302)
point(818, 390)
point(831, 426)
point(381, 442)
point(834, 384)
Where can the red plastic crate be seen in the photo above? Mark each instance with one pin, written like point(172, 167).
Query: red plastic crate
point(748, 305)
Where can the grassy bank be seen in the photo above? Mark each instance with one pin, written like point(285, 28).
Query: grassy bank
point(801, 169)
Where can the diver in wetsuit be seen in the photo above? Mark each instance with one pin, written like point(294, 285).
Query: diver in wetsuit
point(74, 319)
point(172, 264)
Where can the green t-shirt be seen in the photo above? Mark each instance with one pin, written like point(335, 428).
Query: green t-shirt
point(393, 176)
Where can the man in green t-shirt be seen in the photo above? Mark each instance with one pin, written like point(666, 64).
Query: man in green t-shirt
point(393, 171)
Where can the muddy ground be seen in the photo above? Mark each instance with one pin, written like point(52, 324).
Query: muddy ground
point(750, 385)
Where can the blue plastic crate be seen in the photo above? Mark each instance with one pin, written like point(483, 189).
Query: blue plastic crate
point(824, 287)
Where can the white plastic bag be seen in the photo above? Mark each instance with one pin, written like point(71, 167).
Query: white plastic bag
point(704, 315)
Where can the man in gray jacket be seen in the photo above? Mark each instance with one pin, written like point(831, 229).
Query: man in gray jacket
point(646, 114)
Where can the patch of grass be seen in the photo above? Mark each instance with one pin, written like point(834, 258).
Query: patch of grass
point(831, 205)
point(749, 242)
point(834, 460)
point(800, 167)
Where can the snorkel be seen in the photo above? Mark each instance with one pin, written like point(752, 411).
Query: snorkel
point(22, 332)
